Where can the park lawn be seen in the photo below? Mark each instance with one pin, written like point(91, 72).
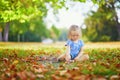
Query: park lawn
point(21, 61)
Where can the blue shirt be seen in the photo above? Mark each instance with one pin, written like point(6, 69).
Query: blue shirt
point(74, 47)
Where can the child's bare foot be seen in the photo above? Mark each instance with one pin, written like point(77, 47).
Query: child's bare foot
point(70, 61)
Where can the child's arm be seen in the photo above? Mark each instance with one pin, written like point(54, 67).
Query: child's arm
point(68, 57)
point(80, 53)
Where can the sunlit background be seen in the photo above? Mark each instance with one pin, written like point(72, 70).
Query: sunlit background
point(76, 14)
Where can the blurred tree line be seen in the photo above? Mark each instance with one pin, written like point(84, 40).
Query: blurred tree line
point(22, 20)
point(103, 25)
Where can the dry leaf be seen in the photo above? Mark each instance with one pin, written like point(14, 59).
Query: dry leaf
point(15, 62)
point(40, 76)
point(63, 72)
point(115, 77)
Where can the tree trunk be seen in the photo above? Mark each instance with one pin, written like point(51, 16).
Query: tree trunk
point(117, 23)
point(118, 28)
point(0, 36)
point(18, 37)
point(6, 32)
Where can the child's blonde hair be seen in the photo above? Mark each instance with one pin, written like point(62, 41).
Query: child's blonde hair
point(74, 28)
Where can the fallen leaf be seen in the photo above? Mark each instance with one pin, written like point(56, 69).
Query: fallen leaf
point(117, 65)
point(22, 75)
point(40, 76)
point(15, 62)
point(54, 77)
point(115, 77)
point(39, 70)
point(63, 72)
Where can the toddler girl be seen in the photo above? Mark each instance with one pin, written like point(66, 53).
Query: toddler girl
point(74, 51)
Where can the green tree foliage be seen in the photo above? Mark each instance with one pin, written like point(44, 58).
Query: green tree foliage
point(103, 25)
point(55, 32)
point(63, 34)
point(24, 10)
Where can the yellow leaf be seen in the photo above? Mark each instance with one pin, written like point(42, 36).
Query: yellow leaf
point(15, 62)
point(63, 72)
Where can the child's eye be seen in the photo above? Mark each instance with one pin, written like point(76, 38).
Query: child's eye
point(75, 35)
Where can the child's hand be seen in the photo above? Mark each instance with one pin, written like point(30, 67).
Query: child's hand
point(67, 58)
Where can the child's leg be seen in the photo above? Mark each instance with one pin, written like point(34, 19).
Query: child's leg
point(83, 57)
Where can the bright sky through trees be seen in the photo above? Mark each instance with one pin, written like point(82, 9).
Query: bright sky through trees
point(74, 15)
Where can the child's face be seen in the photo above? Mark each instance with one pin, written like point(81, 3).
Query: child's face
point(74, 35)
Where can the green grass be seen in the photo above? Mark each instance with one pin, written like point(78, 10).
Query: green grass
point(103, 63)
